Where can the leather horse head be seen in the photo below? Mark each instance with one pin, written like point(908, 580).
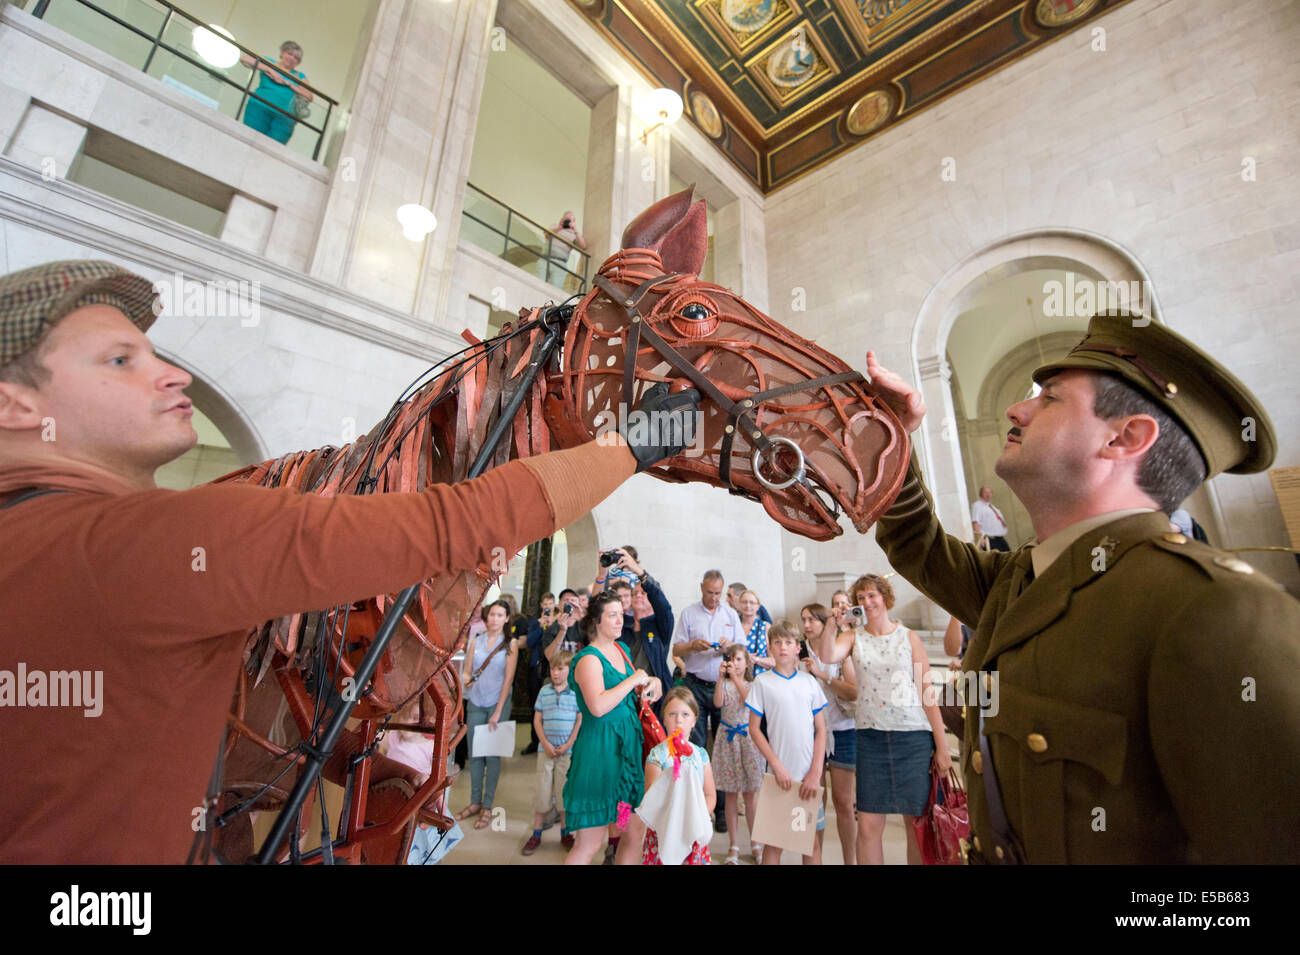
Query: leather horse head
point(783, 422)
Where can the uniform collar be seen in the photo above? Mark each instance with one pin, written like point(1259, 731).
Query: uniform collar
point(1046, 553)
point(1093, 553)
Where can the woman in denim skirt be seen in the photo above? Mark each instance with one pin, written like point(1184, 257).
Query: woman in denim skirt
point(900, 737)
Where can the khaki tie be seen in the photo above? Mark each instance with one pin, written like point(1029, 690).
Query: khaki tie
point(1022, 574)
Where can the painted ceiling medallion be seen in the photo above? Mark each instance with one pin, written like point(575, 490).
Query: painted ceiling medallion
point(869, 113)
point(793, 63)
point(747, 16)
point(706, 114)
point(1057, 13)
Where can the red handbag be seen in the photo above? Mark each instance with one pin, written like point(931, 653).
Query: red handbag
point(652, 731)
point(945, 823)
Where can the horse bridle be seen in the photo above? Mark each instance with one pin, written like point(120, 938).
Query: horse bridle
point(740, 414)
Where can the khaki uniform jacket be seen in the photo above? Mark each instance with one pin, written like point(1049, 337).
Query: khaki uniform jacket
point(1146, 704)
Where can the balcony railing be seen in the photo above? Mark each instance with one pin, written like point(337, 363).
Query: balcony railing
point(157, 37)
point(492, 225)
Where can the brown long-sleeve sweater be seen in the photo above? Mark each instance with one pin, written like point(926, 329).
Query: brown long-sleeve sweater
point(148, 594)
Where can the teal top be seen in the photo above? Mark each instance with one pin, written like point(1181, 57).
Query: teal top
point(277, 94)
point(606, 768)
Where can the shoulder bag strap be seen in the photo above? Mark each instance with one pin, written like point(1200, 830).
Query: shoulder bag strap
point(27, 495)
point(495, 650)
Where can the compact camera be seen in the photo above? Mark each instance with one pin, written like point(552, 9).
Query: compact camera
point(858, 615)
point(569, 608)
point(610, 557)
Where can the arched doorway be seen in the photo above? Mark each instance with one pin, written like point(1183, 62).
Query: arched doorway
point(964, 289)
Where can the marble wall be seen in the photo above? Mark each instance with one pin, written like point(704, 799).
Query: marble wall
point(1175, 147)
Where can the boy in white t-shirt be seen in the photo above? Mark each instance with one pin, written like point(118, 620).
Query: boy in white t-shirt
point(795, 743)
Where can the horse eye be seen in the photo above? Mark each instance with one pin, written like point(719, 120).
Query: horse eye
point(695, 311)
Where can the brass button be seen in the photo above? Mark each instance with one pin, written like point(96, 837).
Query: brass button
point(1036, 742)
point(1176, 538)
point(1171, 389)
point(1234, 564)
point(998, 852)
point(977, 762)
point(976, 843)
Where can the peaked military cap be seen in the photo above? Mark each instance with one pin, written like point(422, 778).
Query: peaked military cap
point(34, 299)
point(1223, 418)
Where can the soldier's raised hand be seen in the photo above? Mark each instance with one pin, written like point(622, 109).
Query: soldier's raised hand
point(904, 400)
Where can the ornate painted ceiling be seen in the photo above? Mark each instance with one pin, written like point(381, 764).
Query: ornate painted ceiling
point(783, 86)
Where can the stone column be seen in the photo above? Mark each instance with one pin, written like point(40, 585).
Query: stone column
point(937, 443)
point(46, 141)
point(624, 175)
point(409, 139)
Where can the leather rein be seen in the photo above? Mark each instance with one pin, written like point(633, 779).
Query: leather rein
point(740, 414)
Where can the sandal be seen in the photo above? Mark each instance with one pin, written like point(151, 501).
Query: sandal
point(757, 849)
point(468, 811)
point(484, 819)
point(733, 856)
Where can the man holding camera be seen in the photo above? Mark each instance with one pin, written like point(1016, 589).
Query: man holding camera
point(704, 631)
point(647, 614)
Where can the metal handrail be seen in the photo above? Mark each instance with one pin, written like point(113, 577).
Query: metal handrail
point(510, 240)
point(157, 42)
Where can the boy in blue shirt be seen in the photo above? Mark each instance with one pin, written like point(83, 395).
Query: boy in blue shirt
point(556, 720)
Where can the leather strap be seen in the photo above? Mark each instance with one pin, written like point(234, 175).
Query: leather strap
point(1005, 836)
point(28, 495)
point(739, 413)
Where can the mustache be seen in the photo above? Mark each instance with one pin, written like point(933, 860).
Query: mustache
point(1013, 432)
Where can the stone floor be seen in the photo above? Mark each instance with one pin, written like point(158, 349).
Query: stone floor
point(515, 796)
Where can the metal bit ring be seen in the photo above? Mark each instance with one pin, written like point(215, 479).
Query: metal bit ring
point(758, 471)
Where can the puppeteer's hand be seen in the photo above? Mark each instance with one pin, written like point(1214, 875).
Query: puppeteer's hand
point(663, 426)
point(904, 400)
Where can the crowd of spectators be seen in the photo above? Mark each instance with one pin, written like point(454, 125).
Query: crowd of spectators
point(815, 703)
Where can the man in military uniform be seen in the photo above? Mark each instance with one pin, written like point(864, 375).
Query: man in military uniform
point(1138, 691)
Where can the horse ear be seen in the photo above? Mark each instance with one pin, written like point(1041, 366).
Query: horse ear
point(676, 228)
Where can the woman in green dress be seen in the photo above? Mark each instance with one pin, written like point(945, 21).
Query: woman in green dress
point(606, 769)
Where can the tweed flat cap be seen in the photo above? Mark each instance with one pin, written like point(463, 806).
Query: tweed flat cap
point(32, 300)
point(1227, 422)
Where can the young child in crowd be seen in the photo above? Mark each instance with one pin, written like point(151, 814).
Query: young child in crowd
point(429, 845)
point(795, 744)
point(737, 767)
point(556, 719)
point(679, 790)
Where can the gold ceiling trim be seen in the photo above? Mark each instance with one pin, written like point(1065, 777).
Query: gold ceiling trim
point(705, 67)
point(904, 106)
point(759, 66)
point(712, 17)
point(871, 76)
point(896, 19)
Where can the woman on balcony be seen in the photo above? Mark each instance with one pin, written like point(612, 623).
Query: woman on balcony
point(276, 90)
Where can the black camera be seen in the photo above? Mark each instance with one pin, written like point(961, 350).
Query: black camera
point(569, 608)
point(610, 557)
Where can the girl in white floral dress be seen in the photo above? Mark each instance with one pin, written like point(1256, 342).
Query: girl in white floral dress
point(737, 766)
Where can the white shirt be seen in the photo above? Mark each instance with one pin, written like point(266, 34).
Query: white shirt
point(696, 623)
point(789, 703)
point(989, 518)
